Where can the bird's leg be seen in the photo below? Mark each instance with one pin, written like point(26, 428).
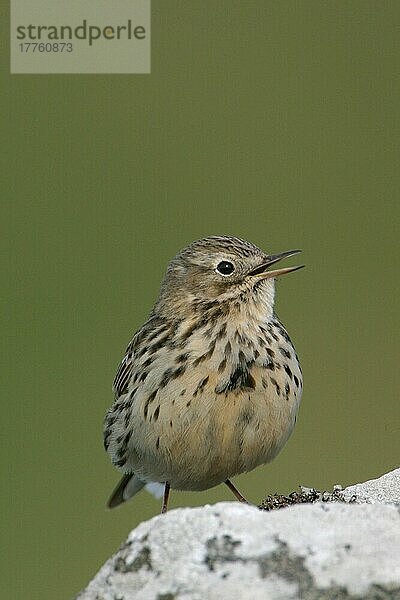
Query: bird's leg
point(236, 491)
point(164, 506)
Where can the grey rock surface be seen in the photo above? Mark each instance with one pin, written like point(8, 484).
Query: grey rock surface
point(232, 551)
point(385, 489)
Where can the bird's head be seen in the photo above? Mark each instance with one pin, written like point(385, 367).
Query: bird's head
point(222, 269)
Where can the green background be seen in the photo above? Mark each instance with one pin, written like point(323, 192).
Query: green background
point(274, 121)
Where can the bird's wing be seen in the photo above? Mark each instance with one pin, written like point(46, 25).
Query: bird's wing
point(124, 374)
point(146, 333)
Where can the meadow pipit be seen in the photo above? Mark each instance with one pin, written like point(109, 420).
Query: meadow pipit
point(211, 384)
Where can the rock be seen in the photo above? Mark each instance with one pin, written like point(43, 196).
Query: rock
point(385, 489)
point(320, 551)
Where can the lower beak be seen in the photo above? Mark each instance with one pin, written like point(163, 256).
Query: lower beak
point(262, 270)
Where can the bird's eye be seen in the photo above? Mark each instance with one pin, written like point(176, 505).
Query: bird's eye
point(225, 268)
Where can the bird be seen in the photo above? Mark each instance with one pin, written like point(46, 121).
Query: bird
point(210, 385)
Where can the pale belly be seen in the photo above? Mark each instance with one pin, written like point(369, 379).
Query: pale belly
point(229, 408)
point(197, 442)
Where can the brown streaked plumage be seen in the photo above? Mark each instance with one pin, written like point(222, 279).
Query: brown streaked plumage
point(210, 385)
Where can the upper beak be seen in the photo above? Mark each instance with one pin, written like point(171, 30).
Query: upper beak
point(263, 272)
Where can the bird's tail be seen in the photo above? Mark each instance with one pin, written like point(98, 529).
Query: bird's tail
point(130, 485)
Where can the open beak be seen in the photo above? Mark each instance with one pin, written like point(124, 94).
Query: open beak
point(262, 270)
